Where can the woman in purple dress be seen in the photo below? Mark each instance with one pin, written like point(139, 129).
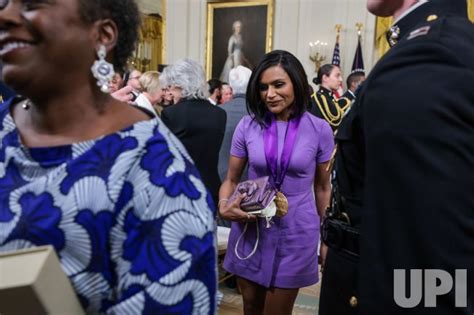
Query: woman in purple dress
point(298, 147)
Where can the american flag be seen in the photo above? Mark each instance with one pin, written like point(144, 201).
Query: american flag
point(336, 56)
point(336, 60)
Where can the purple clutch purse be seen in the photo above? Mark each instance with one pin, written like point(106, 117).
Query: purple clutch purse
point(259, 193)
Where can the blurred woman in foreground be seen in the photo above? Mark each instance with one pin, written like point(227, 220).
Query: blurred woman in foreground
point(111, 189)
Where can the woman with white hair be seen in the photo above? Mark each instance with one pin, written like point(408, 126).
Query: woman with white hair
point(151, 95)
point(185, 79)
point(194, 120)
point(239, 79)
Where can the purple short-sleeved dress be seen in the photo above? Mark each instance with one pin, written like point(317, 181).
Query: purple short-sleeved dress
point(286, 255)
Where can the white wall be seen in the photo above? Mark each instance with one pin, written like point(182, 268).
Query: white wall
point(296, 23)
point(185, 23)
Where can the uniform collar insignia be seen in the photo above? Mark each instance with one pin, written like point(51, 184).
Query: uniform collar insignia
point(393, 35)
point(407, 22)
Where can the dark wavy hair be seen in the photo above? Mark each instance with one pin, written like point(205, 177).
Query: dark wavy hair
point(323, 70)
point(293, 67)
point(127, 17)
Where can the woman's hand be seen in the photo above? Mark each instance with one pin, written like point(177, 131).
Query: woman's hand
point(124, 94)
point(231, 211)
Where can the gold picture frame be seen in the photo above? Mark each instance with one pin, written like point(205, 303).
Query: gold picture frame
point(225, 49)
point(148, 52)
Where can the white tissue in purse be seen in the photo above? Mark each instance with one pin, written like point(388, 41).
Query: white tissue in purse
point(268, 213)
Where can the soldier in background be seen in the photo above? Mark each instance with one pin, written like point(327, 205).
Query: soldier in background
point(404, 170)
point(324, 104)
point(353, 81)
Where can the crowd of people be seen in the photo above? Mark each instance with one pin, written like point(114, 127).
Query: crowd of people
point(127, 174)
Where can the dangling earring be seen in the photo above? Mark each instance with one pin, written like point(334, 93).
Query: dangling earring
point(102, 70)
point(26, 105)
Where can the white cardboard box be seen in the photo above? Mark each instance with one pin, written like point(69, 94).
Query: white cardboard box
point(32, 282)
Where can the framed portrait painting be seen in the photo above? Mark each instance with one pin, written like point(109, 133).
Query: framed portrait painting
point(238, 33)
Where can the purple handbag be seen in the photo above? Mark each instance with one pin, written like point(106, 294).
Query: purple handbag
point(259, 194)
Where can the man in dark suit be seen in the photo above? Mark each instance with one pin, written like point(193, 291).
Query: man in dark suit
point(405, 172)
point(194, 120)
point(215, 93)
point(353, 81)
point(236, 109)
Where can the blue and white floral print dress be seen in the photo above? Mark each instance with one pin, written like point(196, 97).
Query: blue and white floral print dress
point(127, 214)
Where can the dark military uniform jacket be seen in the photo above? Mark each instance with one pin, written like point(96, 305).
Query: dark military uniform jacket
point(405, 165)
point(349, 95)
point(325, 106)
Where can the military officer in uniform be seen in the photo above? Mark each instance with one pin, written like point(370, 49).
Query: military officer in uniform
point(404, 171)
point(323, 103)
